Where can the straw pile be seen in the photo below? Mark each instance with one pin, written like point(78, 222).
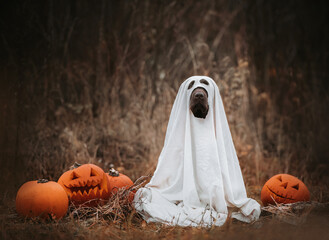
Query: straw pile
point(118, 209)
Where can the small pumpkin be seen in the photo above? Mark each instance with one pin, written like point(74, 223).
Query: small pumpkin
point(118, 181)
point(85, 184)
point(42, 198)
point(284, 188)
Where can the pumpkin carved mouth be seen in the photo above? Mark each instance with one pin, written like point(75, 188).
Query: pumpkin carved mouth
point(278, 195)
point(88, 188)
point(84, 190)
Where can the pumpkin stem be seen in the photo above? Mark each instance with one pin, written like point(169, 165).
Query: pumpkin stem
point(76, 165)
point(113, 172)
point(42, 181)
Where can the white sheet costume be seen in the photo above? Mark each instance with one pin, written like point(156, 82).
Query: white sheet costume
point(198, 175)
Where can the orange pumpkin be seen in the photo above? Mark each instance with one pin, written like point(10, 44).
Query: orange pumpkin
point(42, 198)
point(284, 188)
point(86, 184)
point(117, 181)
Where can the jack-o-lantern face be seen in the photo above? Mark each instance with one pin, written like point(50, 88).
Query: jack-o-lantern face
point(85, 183)
point(284, 188)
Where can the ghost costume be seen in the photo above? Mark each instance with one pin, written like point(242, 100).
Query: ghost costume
point(198, 176)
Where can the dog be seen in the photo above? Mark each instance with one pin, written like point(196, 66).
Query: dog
point(199, 100)
point(192, 183)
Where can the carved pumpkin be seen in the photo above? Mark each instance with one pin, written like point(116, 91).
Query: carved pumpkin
point(42, 198)
point(284, 188)
point(86, 184)
point(118, 180)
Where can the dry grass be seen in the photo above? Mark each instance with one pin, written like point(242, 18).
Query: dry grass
point(117, 219)
point(120, 221)
point(296, 213)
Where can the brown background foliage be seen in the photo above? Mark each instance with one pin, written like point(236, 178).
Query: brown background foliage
point(95, 82)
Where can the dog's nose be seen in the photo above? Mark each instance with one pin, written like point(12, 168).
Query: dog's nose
point(199, 95)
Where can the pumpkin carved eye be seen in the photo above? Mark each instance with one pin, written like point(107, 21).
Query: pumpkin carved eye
point(296, 186)
point(279, 178)
point(93, 173)
point(75, 175)
point(284, 185)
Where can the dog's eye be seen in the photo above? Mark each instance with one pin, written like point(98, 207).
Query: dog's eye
point(204, 81)
point(190, 85)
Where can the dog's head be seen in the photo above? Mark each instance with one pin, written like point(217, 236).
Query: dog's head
point(199, 102)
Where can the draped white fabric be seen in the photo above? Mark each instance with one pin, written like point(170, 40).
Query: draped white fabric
point(198, 176)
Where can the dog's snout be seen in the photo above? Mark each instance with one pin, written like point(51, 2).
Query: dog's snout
point(199, 95)
point(199, 103)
